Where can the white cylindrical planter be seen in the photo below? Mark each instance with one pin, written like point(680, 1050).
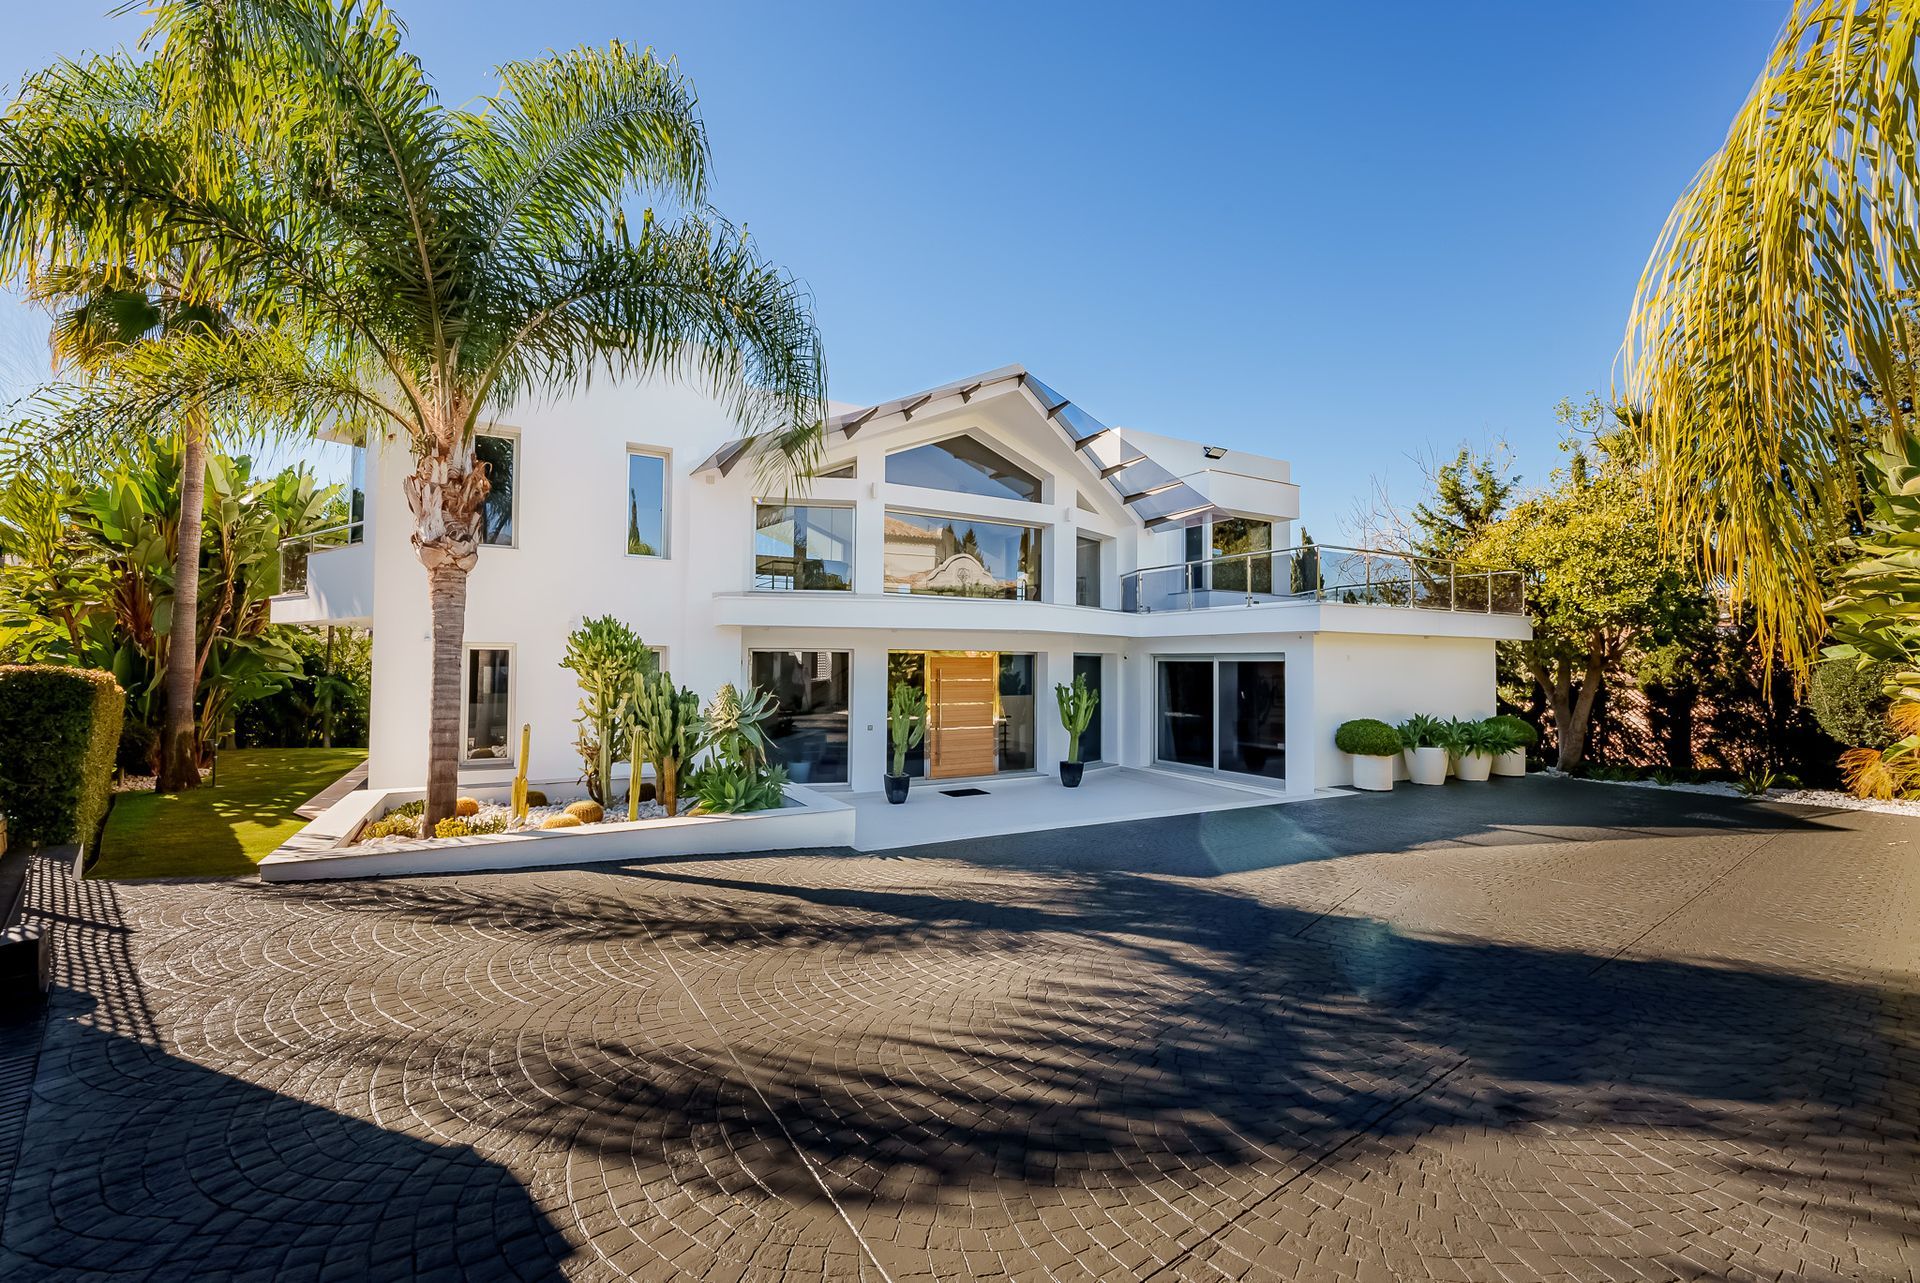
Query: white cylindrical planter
point(1374, 774)
point(1474, 766)
point(1513, 762)
point(1427, 765)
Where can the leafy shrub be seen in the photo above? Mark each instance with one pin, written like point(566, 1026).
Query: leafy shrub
point(391, 825)
point(1851, 703)
point(410, 810)
point(561, 822)
point(1366, 737)
point(59, 733)
point(1756, 783)
point(1423, 731)
point(728, 788)
point(139, 751)
point(455, 826)
point(1478, 738)
point(586, 811)
point(466, 806)
point(536, 798)
point(1524, 733)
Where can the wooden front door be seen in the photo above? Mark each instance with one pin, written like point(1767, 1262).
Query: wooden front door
point(960, 697)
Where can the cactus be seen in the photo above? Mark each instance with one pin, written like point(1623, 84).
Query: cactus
point(466, 807)
point(520, 775)
point(1077, 703)
point(561, 822)
point(906, 722)
point(586, 811)
point(607, 657)
point(670, 731)
point(633, 778)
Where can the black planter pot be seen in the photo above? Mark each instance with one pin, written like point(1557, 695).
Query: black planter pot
point(1070, 773)
point(897, 787)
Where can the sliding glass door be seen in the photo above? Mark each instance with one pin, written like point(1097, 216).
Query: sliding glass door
point(1223, 715)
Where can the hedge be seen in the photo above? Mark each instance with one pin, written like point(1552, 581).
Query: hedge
point(1850, 702)
point(1524, 734)
point(59, 729)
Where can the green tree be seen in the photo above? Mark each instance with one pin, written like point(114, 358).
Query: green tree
point(1469, 494)
point(431, 262)
point(1602, 586)
point(1770, 294)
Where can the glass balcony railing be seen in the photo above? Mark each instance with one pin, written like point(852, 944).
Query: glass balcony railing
point(295, 552)
point(1322, 572)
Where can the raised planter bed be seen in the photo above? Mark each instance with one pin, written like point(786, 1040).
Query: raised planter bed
point(326, 849)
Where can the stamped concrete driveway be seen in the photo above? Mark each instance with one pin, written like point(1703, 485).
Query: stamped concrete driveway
point(1527, 1030)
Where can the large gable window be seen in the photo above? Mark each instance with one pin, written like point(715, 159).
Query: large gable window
point(961, 557)
point(966, 465)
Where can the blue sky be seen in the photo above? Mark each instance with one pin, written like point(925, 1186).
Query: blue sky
point(1347, 235)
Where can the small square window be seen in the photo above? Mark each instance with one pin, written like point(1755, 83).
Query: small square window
point(646, 505)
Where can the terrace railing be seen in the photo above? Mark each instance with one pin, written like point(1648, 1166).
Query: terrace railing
point(295, 551)
point(1324, 572)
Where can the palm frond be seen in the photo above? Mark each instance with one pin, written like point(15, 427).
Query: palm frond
point(1770, 292)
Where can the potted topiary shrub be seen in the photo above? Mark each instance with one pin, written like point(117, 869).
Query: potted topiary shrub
point(1521, 736)
point(1077, 703)
point(1473, 745)
point(1373, 745)
point(1423, 743)
point(906, 727)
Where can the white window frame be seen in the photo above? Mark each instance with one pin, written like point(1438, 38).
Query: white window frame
point(512, 437)
point(666, 500)
point(1045, 529)
point(513, 702)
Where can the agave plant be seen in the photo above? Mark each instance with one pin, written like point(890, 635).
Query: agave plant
point(1423, 731)
point(736, 725)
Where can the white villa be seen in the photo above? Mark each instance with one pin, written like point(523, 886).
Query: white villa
point(985, 539)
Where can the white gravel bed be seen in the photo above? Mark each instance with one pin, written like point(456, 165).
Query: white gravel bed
point(536, 815)
point(1829, 798)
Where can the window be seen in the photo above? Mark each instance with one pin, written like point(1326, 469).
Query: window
point(1237, 535)
point(1226, 715)
point(1013, 719)
point(963, 464)
point(1086, 571)
point(809, 727)
point(357, 494)
point(845, 472)
point(961, 557)
point(489, 705)
point(646, 505)
point(496, 513)
point(796, 546)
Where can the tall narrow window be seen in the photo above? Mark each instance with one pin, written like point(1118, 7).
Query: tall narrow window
point(1086, 571)
point(496, 514)
point(357, 495)
point(646, 505)
point(802, 546)
point(488, 704)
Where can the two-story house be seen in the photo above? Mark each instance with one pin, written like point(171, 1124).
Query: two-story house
point(983, 540)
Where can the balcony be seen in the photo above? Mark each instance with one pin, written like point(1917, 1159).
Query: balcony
point(1327, 574)
point(326, 577)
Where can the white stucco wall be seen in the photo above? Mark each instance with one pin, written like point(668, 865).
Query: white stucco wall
point(1391, 678)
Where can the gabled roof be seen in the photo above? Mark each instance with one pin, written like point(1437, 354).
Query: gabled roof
point(1149, 489)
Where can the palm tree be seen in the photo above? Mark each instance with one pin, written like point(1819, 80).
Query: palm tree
point(102, 314)
point(1771, 299)
point(434, 263)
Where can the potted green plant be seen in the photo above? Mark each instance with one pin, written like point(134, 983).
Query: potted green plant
point(1374, 746)
point(1521, 735)
point(1474, 744)
point(1077, 703)
point(906, 727)
point(1423, 743)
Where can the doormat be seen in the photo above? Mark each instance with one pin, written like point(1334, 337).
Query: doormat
point(964, 792)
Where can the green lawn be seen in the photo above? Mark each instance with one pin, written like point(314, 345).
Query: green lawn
point(223, 830)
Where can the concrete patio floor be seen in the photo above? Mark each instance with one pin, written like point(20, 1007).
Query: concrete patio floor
point(1030, 803)
point(1528, 1031)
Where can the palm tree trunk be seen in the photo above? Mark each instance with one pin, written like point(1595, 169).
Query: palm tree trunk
point(179, 756)
point(447, 589)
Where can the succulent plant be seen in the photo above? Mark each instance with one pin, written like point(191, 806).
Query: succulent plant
point(466, 806)
point(670, 731)
point(535, 797)
point(586, 811)
point(906, 722)
point(1077, 703)
point(561, 822)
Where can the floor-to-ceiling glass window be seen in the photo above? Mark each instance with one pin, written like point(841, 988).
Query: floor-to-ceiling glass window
point(1225, 715)
point(802, 546)
point(961, 557)
point(1185, 734)
point(1253, 717)
point(809, 727)
point(1013, 719)
point(1088, 668)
